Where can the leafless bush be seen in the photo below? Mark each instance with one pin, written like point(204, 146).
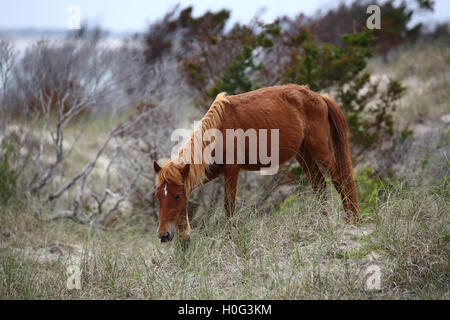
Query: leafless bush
point(56, 83)
point(58, 87)
point(7, 60)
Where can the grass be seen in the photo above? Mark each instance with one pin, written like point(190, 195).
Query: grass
point(425, 70)
point(293, 254)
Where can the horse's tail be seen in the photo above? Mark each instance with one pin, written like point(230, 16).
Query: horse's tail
point(341, 148)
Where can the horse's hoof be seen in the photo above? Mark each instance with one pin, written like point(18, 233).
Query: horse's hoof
point(185, 244)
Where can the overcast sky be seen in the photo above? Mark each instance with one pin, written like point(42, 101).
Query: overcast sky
point(135, 15)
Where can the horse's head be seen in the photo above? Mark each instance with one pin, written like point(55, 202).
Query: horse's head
point(173, 201)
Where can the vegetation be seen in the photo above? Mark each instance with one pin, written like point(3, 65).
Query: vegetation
point(76, 187)
point(293, 253)
point(8, 176)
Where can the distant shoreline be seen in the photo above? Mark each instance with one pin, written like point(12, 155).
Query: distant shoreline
point(24, 38)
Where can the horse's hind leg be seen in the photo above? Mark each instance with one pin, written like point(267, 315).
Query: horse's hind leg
point(318, 147)
point(312, 171)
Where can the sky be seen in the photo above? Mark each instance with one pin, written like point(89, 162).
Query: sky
point(136, 15)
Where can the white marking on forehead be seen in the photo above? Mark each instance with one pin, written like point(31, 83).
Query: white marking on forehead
point(165, 190)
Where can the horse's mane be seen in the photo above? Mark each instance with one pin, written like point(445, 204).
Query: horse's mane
point(170, 171)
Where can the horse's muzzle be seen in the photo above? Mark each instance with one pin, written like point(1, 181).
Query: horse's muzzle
point(165, 237)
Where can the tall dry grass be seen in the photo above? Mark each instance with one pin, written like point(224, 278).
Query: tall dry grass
point(293, 253)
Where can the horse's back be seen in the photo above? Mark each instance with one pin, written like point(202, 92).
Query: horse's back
point(281, 107)
point(262, 109)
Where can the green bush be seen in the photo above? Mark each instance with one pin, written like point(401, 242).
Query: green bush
point(370, 189)
point(8, 175)
point(369, 125)
point(235, 79)
point(322, 66)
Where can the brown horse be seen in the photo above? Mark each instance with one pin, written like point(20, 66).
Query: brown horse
point(301, 117)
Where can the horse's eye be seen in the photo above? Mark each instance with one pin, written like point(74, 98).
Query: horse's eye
point(177, 197)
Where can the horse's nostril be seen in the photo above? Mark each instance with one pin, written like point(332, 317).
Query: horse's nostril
point(164, 236)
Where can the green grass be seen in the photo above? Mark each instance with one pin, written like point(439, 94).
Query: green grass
point(293, 254)
point(288, 252)
point(425, 70)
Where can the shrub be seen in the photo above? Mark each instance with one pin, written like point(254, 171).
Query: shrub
point(370, 187)
point(8, 175)
point(369, 124)
point(323, 66)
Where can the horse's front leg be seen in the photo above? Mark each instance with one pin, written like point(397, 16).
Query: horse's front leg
point(184, 231)
point(230, 174)
point(213, 172)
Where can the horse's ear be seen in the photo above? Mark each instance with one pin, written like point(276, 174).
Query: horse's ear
point(156, 166)
point(185, 171)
